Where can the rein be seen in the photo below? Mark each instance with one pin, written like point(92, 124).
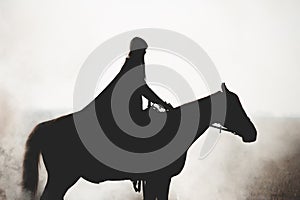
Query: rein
point(222, 128)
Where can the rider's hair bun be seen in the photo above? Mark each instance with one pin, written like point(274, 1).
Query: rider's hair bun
point(138, 43)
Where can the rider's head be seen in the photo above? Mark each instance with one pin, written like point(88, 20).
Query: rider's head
point(138, 46)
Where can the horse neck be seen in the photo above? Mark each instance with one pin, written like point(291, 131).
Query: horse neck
point(207, 117)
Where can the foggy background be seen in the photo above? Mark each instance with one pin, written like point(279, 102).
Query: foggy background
point(254, 45)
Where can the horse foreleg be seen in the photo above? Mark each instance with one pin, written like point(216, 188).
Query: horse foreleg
point(156, 189)
point(163, 189)
point(149, 192)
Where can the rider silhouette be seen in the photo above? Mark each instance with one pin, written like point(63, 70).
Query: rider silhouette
point(135, 59)
point(134, 64)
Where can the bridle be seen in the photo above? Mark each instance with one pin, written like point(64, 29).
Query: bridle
point(222, 128)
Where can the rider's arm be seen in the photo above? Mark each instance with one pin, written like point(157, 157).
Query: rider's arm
point(150, 95)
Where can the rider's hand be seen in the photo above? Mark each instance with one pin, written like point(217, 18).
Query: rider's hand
point(168, 106)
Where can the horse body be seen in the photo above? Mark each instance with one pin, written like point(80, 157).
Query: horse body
point(66, 159)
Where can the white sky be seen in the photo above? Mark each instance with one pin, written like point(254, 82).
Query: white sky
point(254, 45)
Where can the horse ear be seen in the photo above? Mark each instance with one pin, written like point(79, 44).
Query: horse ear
point(224, 88)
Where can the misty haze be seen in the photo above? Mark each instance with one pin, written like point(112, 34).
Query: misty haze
point(253, 44)
point(266, 169)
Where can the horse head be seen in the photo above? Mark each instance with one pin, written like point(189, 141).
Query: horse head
point(236, 120)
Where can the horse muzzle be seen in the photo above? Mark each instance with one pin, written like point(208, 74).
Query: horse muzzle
point(250, 134)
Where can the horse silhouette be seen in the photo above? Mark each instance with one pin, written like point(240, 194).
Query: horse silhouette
point(66, 159)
